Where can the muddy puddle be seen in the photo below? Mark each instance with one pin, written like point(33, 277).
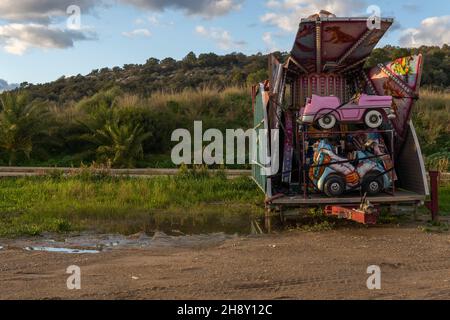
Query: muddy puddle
point(182, 232)
point(62, 250)
point(94, 244)
point(232, 221)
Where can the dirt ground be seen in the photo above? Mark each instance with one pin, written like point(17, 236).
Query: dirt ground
point(289, 265)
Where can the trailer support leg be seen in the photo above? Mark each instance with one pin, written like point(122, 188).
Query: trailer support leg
point(433, 204)
point(416, 211)
point(268, 220)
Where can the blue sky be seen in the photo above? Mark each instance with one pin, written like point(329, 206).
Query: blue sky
point(35, 45)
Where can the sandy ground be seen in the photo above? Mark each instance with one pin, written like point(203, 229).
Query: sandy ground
point(290, 265)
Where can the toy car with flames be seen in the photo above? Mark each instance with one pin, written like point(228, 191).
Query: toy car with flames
point(326, 112)
point(335, 175)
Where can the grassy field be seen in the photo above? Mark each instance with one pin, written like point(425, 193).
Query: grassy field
point(432, 122)
point(444, 199)
point(198, 202)
point(31, 206)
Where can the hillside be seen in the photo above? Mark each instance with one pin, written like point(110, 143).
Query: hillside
point(210, 70)
point(124, 117)
point(206, 70)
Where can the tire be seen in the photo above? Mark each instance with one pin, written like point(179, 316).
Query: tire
point(372, 184)
point(373, 119)
point(327, 122)
point(334, 186)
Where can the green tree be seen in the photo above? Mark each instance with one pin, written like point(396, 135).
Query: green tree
point(237, 77)
point(256, 77)
point(190, 60)
point(23, 126)
point(152, 62)
point(119, 144)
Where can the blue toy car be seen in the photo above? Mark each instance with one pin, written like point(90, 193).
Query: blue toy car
point(335, 175)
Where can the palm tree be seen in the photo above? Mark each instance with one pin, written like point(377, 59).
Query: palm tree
point(120, 144)
point(22, 125)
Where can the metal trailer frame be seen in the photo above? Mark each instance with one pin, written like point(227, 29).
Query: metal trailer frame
point(406, 193)
point(414, 191)
point(328, 58)
point(347, 206)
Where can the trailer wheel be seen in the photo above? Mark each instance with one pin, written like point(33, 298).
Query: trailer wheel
point(327, 122)
point(373, 119)
point(373, 184)
point(334, 186)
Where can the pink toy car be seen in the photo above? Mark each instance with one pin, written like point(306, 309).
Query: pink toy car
point(327, 111)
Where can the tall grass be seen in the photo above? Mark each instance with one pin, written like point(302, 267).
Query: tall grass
point(228, 108)
point(194, 97)
point(432, 121)
point(194, 104)
point(160, 114)
point(444, 199)
point(231, 105)
point(108, 204)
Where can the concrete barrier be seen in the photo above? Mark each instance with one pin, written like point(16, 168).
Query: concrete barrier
point(41, 171)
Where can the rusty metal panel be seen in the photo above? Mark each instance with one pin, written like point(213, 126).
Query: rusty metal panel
point(320, 84)
point(400, 79)
point(334, 44)
point(410, 165)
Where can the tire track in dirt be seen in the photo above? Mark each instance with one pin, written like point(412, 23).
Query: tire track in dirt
point(342, 281)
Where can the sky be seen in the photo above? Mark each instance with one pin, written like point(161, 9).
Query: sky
point(42, 40)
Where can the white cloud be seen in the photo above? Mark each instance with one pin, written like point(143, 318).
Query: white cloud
point(32, 24)
point(282, 21)
point(35, 24)
point(139, 21)
point(204, 8)
point(286, 14)
point(433, 31)
point(42, 11)
point(154, 20)
point(221, 37)
point(18, 38)
point(137, 33)
point(271, 46)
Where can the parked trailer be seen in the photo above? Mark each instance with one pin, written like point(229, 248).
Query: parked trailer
point(328, 59)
